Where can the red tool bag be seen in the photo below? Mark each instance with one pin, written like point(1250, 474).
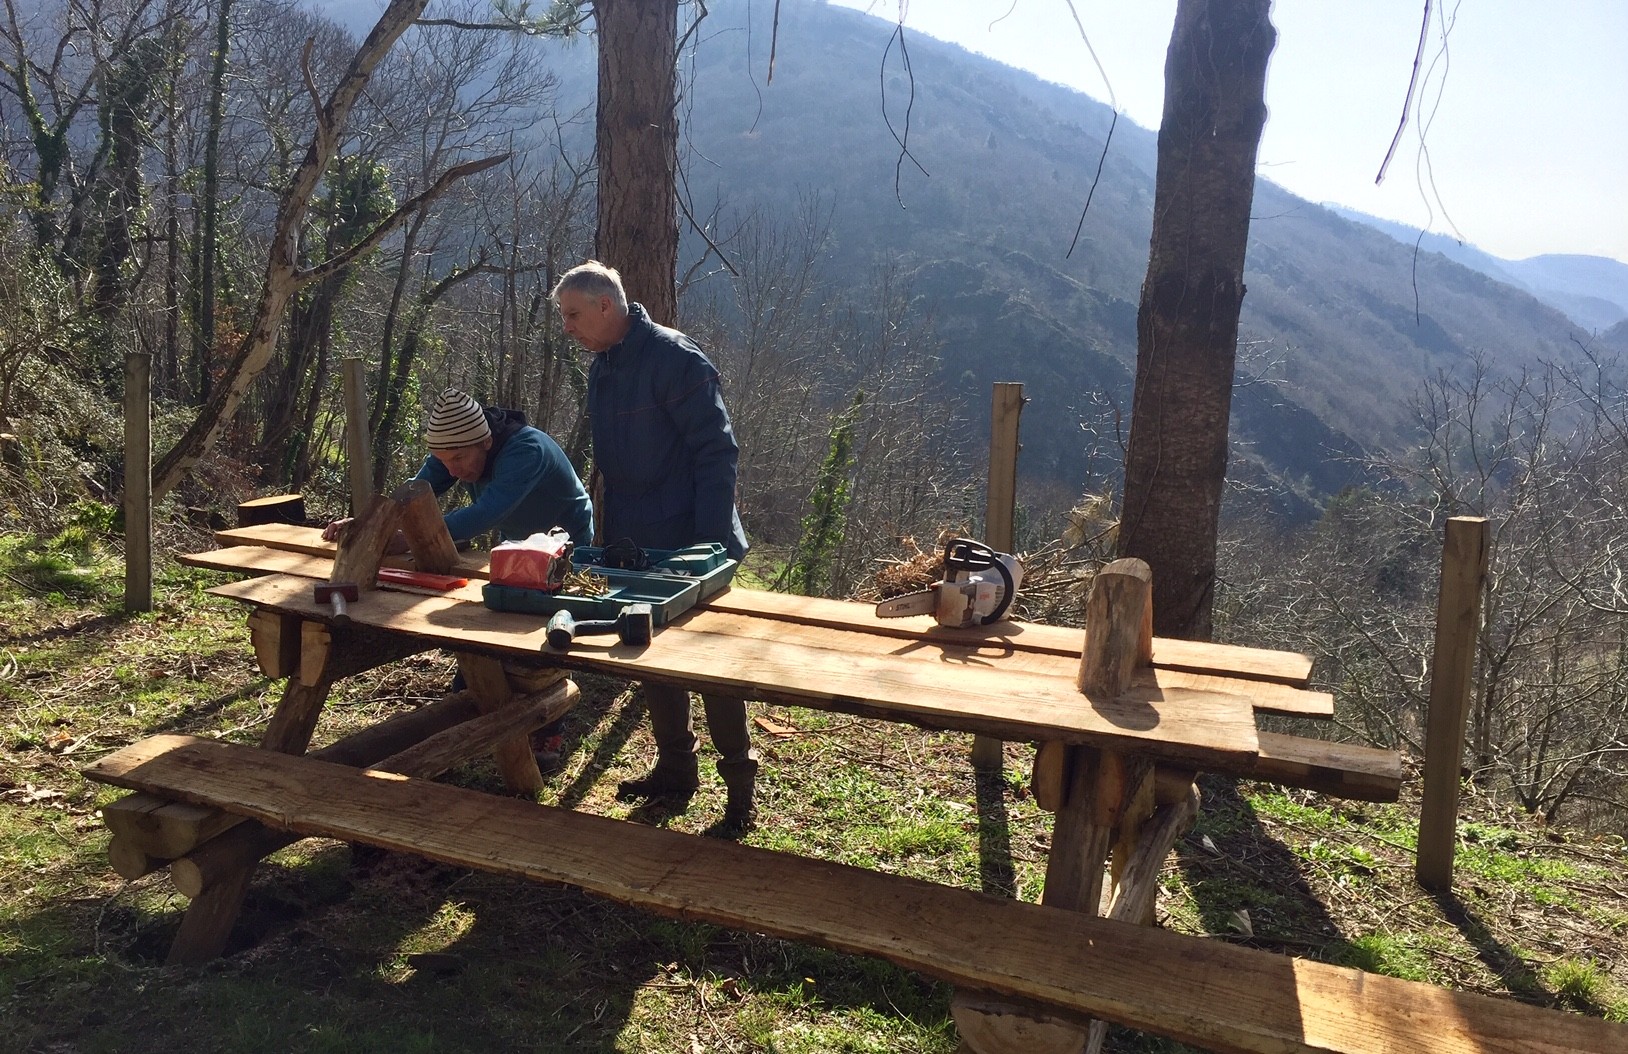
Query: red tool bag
point(539, 562)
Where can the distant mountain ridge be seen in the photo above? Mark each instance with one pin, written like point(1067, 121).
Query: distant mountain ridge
point(1340, 326)
point(1591, 290)
point(1342, 323)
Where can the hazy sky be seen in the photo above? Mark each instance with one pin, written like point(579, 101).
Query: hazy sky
point(1526, 114)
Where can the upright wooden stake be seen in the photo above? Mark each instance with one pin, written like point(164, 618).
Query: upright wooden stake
point(999, 508)
point(1097, 794)
point(358, 446)
point(1458, 618)
point(138, 482)
point(426, 529)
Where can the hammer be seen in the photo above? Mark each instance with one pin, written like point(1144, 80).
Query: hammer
point(633, 626)
point(336, 594)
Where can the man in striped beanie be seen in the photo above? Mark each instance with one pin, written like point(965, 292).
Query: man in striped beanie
point(518, 479)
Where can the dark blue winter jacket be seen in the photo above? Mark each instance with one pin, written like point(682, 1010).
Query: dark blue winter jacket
point(528, 486)
point(662, 442)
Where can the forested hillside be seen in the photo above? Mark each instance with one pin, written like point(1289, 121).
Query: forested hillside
point(978, 211)
point(884, 243)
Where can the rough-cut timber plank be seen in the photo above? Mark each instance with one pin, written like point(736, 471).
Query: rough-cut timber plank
point(258, 560)
point(1199, 991)
point(1211, 730)
point(1196, 656)
point(966, 649)
point(289, 538)
point(467, 736)
point(1200, 657)
point(1267, 696)
point(274, 508)
point(1344, 770)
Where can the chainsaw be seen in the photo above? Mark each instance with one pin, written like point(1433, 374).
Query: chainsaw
point(978, 587)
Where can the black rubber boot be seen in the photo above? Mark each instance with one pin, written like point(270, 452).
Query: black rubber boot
point(740, 814)
point(671, 777)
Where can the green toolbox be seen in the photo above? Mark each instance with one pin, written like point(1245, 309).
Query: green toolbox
point(667, 595)
point(671, 581)
point(707, 564)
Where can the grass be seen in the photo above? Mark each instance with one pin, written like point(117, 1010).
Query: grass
point(348, 950)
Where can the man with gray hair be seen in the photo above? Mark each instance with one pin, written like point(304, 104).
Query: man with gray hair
point(667, 456)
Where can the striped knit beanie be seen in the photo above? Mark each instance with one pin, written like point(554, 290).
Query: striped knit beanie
point(457, 420)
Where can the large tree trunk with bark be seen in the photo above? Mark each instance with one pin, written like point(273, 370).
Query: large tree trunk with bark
point(1187, 324)
point(637, 140)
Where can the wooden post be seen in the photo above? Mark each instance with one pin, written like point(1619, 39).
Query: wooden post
point(1458, 617)
point(138, 481)
point(358, 446)
point(362, 545)
point(1099, 795)
point(1118, 640)
point(999, 508)
point(426, 529)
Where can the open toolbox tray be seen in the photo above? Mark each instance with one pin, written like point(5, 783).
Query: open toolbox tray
point(707, 564)
point(668, 596)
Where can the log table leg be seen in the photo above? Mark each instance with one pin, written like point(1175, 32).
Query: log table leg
point(1100, 797)
point(492, 691)
point(209, 918)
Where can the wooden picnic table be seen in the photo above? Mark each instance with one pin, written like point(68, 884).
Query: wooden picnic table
point(1121, 762)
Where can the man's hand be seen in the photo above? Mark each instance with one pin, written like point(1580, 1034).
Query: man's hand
point(330, 533)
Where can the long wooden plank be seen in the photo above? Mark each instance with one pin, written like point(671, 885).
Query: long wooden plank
point(288, 537)
point(1345, 770)
point(259, 560)
point(1265, 696)
point(1284, 667)
point(245, 844)
point(1209, 730)
point(1196, 990)
point(1195, 656)
point(1349, 771)
point(1039, 649)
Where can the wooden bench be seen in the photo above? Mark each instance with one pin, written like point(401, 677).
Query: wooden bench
point(1068, 963)
point(1120, 744)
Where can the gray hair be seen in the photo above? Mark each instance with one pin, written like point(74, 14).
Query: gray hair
point(592, 279)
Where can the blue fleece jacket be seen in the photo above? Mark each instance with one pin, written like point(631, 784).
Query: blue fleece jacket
point(528, 486)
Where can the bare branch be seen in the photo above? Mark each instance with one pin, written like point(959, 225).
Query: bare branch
point(341, 260)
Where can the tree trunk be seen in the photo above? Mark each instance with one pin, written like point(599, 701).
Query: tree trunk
point(636, 134)
point(282, 278)
point(1187, 323)
point(203, 283)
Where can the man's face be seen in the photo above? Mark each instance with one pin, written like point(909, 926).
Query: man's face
point(465, 462)
point(592, 321)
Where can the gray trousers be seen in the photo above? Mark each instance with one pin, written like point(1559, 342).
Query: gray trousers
point(674, 726)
